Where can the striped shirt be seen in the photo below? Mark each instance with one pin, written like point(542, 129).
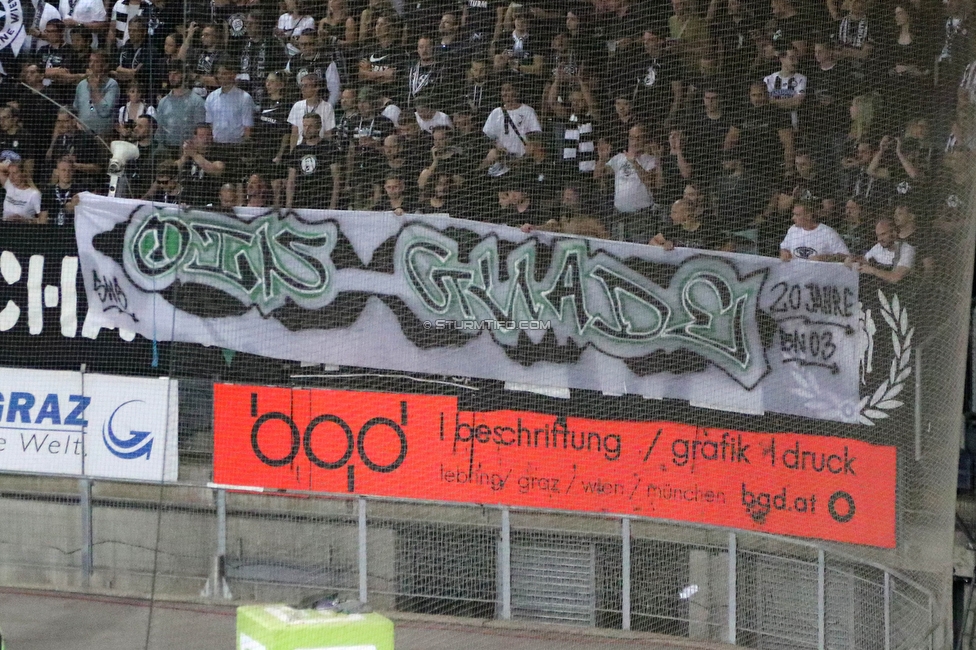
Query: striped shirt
point(578, 143)
point(122, 13)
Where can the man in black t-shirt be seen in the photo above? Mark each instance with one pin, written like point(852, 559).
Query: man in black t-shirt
point(260, 55)
point(142, 170)
point(481, 20)
point(200, 173)
point(16, 143)
point(61, 65)
point(735, 31)
point(138, 62)
point(516, 207)
point(706, 132)
point(690, 230)
point(761, 131)
point(58, 200)
point(384, 63)
point(656, 81)
point(788, 29)
point(367, 130)
point(313, 170)
point(830, 89)
point(427, 75)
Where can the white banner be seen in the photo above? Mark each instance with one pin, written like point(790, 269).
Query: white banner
point(98, 426)
point(437, 295)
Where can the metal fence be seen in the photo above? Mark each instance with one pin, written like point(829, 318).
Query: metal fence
point(475, 562)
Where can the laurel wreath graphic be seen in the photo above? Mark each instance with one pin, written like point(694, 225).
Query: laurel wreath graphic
point(874, 407)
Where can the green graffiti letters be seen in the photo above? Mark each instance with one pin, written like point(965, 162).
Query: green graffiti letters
point(263, 262)
point(591, 299)
point(595, 300)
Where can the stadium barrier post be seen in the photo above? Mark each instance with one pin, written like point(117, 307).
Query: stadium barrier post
point(918, 403)
point(821, 604)
point(625, 573)
point(363, 567)
point(505, 565)
point(887, 611)
point(732, 588)
point(85, 503)
point(216, 586)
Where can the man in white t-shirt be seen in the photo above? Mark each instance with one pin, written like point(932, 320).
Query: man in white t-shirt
point(510, 124)
point(890, 259)
point(636, 174)
point(429, 118)
point(811, 240)
point(90, 14)
point(311, 102)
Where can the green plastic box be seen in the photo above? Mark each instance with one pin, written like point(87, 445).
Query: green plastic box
point(280, 627)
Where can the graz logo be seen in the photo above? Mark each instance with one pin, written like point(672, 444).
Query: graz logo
point(317, 434)
point(130, 444)
point(12, 32)
point(263, 263)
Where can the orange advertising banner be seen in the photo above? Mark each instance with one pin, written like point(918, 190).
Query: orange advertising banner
point(423, 447)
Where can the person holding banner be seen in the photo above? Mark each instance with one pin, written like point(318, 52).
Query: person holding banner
point(811, 240)
point(889, 260)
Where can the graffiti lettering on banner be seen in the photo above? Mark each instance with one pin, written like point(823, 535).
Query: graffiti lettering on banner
point(437, 295)
point(423, 447)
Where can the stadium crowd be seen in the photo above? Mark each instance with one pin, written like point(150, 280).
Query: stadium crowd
point(824, 129)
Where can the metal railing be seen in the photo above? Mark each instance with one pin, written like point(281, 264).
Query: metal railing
point(626, 573)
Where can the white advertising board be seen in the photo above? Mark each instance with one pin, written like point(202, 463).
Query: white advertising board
point(98, 426)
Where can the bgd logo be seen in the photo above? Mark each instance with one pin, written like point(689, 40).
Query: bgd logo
point(315, 437)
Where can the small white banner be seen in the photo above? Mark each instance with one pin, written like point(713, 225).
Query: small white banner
point(99, 426)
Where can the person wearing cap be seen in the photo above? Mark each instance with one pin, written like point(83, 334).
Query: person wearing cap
point(311, 102)
point(179, 111)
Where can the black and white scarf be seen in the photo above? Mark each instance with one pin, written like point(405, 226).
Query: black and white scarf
point(578, 143)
